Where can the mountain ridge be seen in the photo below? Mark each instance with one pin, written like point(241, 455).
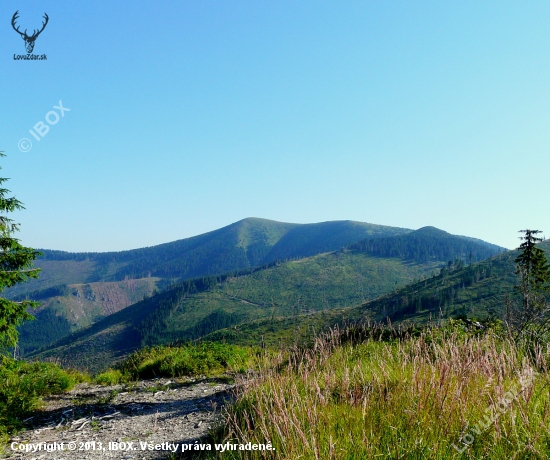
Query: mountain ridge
point(247, 243)
point(242, 245)
point(322, 282)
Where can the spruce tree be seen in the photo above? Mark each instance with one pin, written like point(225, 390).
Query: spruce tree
point(16, 266)
point(531, 318)
point(531, 263)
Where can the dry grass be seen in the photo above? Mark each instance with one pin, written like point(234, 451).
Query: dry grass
point(434, 396)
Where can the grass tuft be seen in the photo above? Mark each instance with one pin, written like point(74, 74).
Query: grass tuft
point(111, 377)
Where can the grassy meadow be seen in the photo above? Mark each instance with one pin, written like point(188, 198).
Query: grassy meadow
point(441, 393)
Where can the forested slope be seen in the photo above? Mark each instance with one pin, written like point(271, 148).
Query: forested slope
point(68, 308)
point(198, 307)
point(244, 244)
point(247, 243)
point(476, 291)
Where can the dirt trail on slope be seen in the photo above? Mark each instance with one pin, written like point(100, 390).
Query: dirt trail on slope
point(151, 414)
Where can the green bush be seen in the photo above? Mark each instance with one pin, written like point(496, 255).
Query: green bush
point(23, 384)
point(78, 377)
point(189, 360)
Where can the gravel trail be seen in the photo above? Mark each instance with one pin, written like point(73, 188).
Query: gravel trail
point(158, 414)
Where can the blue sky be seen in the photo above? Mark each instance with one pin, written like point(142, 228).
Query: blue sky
point(186, 116)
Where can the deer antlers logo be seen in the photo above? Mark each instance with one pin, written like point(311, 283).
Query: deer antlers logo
point(29, 40)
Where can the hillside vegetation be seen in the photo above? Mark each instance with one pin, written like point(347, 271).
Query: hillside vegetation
point(321, 283)
point(248, 243)
point(478, 290)
point(242, 245)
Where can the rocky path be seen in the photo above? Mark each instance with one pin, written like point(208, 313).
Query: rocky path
point(150, 419)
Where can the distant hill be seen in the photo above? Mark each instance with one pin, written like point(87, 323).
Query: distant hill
point(248, 243)
point(320, 283)
point(428, 244)
point(244, 244)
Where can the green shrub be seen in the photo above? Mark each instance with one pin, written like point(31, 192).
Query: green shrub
point(189, 360)
point(23, 384)
point(78, 377)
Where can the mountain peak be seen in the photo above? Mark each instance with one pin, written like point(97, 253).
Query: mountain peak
point(430, 231)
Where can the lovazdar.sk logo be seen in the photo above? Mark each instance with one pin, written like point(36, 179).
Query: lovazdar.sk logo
point(29, 39)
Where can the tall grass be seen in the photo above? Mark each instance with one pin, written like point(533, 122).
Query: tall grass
point(426, 397)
